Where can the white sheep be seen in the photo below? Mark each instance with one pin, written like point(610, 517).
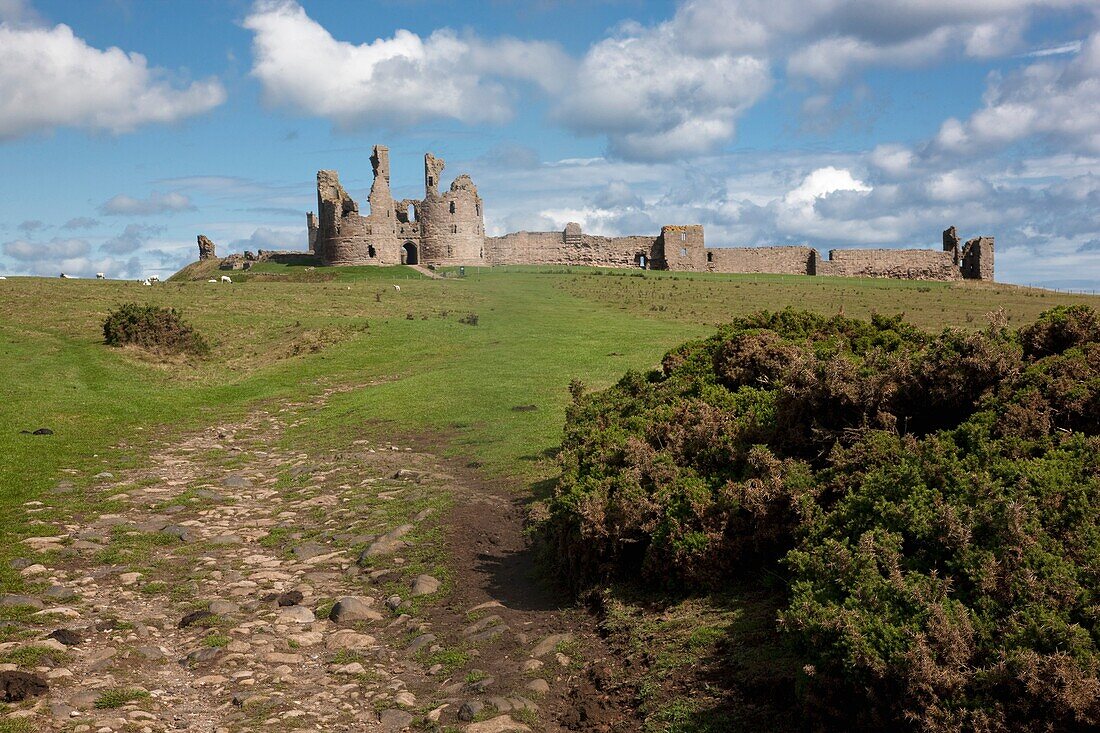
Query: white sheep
point(397, 288)
point(211, 280)
point(226, 279)
point(146, 282)
point(66, 277)
point(100, 276)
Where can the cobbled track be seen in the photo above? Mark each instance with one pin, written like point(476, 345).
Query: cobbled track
point(175, 598)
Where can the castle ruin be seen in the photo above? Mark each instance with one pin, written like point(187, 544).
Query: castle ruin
point(447, 229)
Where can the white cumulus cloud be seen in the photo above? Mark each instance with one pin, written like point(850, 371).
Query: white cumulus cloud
point(49, 78)
point(401, 80)
point(1058, 99)
point(822, 182)
point(655, 101)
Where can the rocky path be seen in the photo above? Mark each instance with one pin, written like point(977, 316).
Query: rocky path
point(234, 585)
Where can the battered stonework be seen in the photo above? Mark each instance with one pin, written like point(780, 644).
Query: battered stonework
point(206, 248)
point(449, 229)
point(440, 229)
point(905, 264)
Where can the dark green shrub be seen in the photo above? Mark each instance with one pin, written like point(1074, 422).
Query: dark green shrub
point(933, 501)
point(153, 328)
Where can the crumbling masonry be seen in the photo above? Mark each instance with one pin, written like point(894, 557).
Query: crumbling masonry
point(449, 229)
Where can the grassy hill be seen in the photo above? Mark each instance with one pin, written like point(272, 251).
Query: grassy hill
point(491, 389)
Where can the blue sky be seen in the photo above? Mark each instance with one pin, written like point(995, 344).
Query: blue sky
point(127, 127)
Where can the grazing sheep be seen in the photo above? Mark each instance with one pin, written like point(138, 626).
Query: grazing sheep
point(226, 279)
point(2, 277)
point(211, 280)
point(397, 288)
point(154, 279)
point(146, 282)
point(66, 277)
point(100, 276)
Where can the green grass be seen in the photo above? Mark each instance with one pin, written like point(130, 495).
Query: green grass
point(119, 696)
point(32, 655)
point(414, 367)
point(417, 366)
point(300, 270)
point(450, 658)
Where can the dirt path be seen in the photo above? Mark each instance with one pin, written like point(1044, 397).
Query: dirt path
point(237, 586)
point(431, 274)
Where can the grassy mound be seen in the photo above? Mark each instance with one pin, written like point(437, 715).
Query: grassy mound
point(199, 270)
point(932, 502)
point(155, 329)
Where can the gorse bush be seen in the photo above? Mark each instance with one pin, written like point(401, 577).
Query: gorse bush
point(933, 502)
point(154, 329)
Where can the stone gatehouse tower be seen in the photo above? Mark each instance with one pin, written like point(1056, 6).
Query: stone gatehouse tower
point(440, 229)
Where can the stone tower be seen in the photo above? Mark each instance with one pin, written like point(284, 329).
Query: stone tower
point(684, 248)
point(977, 259)
point(452, 224)
point(344, 236)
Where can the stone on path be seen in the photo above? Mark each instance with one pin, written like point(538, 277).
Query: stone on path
point(309, 551)
point(538, 686)
point(388, 543)
point(394, 720)
point(348, 639)
point(296, 615)
point(499, 724)
point(193, 618)
point(424, 585)
point(183, 534)
point(550, 643)
point(15, 599)
point(59, 593)
point(353, 608)
point(470, 709)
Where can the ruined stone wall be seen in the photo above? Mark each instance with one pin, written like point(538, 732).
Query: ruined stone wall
point(977, 259)
point(311, 231)
point(362, 240)
point(207, 250)
point(571, 247)
point(683, 248)
point(779, 260)
point(907, 264)
point(525, 248)
point(346, 237)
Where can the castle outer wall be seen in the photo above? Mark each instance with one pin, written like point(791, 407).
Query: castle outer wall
point(904, 264)
point(447, 228)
